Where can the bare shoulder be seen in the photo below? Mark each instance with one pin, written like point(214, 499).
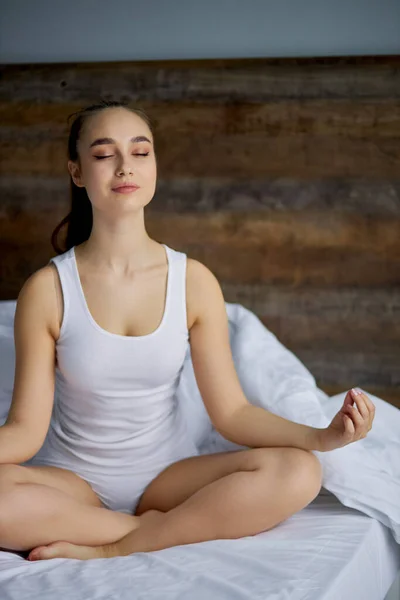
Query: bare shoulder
point(38, 284)
point(203, 289)
point(39, 294)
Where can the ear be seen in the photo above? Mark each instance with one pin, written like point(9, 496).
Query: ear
point(75, 172)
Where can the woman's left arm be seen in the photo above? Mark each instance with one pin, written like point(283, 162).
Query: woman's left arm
point(229, 410)
point(257, 427)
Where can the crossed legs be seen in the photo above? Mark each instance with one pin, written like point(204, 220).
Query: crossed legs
point(227, 495)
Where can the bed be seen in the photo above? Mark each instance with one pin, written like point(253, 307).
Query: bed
point(327, 551)
point(324, 552)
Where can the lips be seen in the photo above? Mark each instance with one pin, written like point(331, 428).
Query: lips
point(125, 187)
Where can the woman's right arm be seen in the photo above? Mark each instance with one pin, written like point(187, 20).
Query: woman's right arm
point(25, 429)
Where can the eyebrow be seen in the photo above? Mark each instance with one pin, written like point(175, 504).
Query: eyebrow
point(106, 140)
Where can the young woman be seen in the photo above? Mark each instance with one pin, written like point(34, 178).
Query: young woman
point(108, 469)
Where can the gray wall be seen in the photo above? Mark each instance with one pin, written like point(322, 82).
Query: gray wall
point(34, 31)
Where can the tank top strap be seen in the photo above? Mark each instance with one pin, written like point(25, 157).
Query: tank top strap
point(64, 265)
point(178, 310)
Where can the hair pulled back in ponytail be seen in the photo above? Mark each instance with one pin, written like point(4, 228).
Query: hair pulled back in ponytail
point(79, 220)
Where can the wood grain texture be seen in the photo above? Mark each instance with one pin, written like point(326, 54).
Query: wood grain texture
point(281, 175)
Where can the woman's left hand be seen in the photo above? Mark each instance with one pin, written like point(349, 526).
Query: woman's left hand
point(350, 424)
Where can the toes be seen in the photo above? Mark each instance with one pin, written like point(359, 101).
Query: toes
point(43, 552)
point(36, 553)
point(66, 550)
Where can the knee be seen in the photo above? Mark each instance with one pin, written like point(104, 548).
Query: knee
point(303, 470)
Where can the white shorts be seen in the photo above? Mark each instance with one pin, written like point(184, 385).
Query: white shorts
point(119, 489)
point(122, 493)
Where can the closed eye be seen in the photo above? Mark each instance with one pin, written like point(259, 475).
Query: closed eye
point(138, 154)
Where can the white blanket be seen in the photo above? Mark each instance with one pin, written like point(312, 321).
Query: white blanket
point(364, 475)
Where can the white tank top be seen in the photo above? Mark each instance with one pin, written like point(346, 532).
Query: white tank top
point(115, 403)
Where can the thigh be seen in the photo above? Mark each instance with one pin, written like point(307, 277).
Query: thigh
point(183, 478)
point(62, 479)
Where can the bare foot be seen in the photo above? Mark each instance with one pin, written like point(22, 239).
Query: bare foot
point(68, 550)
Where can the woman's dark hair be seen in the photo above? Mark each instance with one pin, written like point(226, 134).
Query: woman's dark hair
point(79, 220)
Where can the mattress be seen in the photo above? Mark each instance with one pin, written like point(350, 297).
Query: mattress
point(324, 552)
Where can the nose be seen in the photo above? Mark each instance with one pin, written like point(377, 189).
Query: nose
point(125, 171)
point(124, 168)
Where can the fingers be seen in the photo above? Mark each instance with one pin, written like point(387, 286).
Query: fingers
point(348, 398)
point(358, 421)
point(370, 405)
point(348, 423)
point(362, 414)
point(362, 406)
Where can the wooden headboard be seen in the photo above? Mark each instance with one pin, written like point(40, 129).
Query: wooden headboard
point(281, 175)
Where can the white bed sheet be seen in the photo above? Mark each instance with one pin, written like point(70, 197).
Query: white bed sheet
point(324, 552)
